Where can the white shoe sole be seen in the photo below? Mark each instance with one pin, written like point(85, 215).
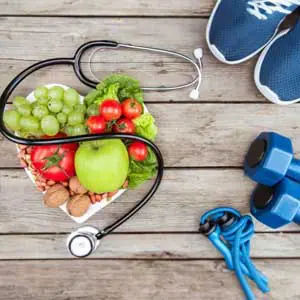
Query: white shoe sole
point(218, 54)
point(265, 90)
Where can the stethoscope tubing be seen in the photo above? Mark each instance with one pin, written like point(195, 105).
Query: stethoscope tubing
point(75, 62)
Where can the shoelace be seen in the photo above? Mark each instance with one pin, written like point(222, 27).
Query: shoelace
point(262, 8)
point(230, 233)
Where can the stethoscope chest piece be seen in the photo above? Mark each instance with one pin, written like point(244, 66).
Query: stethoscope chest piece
point(83, 242)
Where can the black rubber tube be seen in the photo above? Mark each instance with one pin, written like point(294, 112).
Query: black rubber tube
point(75, 62)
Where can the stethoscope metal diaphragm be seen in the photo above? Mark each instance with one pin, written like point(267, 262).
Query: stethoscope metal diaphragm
point(83, 241)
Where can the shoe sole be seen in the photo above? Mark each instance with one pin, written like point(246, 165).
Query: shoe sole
point(264, 90)
point(215, 51)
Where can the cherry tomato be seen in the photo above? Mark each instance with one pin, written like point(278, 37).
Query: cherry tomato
point(124, 126)
point(110, 110)
point(131, 108)
point(96, 124)
point(138, 151)
point(54, 162)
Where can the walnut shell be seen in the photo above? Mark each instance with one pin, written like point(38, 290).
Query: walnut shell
point(78, 205)
point(56, 196)
point(76, 186)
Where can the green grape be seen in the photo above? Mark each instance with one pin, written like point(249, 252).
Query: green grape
point(62, 118)
point(75, 118)
point(19, 101)
point(71, 97)
point(11, 119)
point(29, 124)
point(69, 130)
point(67, 109)
point(43, 101)
point(40, 111)
point(41, 92)
point(33, 104)
point(93, 110)
point(38, 133)
point(55, 105)
point(80, 108)
point(79, 129)
point(56, 92)
point(24, 109)
point(50, 125)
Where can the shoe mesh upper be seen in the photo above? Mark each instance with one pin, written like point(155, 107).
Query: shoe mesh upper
point(238, 34)
point(280, 70)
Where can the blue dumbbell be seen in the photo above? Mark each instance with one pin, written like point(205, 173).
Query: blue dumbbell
point(270, 159)
point(278, 205)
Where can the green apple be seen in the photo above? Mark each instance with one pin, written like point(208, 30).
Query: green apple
point(102, 166)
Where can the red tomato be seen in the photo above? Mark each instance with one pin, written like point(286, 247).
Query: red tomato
point(131, 108)
point(110, 110)
point(124, 126)
point(54, 162)
point(96, 124)
point(138, 151)
point(72, 146)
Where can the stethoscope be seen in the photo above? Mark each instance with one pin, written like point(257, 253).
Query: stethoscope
point(85, 240)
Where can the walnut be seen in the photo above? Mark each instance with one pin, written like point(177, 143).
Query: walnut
point(56, 196)
point(76, 186)
point(78, 205)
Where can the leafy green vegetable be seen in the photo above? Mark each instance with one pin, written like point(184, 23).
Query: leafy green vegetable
point(118, 87)
point(139, 172)
point(145, 126)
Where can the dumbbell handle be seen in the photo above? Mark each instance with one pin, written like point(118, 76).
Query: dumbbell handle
point(294, 170)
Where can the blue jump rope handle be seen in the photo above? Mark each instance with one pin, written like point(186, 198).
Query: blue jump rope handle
point(233, 242)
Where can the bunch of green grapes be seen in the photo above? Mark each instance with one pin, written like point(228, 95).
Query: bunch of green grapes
point(55, 110)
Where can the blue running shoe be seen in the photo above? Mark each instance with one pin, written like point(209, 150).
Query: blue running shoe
point(239, 29)
point(277, 72)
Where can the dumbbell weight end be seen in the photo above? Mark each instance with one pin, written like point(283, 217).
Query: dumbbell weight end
point(294, 170)
point(278, 205)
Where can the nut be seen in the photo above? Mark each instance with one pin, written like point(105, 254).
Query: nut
point(78, 205)
point(98, 198)
point(50, 182)
point(76, 186)
point(125, 184)
point(111, 194)
point(56, 196)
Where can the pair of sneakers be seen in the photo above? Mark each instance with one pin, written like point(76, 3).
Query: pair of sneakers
point(239, 29)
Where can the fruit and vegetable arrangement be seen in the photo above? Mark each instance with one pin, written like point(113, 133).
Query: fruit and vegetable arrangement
point(82, 178)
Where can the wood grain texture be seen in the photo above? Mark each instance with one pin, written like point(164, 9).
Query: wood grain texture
point(106, 8)
point(182, 198)
point(22, 36)
point(145, 246)
point(126, 280)
point(54, 37)
point(207, 135)
point(216, 85)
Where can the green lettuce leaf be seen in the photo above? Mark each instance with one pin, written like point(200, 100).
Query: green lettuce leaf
point(128, 87)
point(116, 86)
point(145, 126)
point(139, 172)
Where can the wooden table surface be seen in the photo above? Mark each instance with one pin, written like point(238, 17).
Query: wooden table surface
point(158, 254)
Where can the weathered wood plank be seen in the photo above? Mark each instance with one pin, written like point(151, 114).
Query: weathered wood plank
point(216, 86)
point(145, 246)
point(107, 8)
point(198, 135)
point(20, 37)
point(183, 196)
point(124, 280)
